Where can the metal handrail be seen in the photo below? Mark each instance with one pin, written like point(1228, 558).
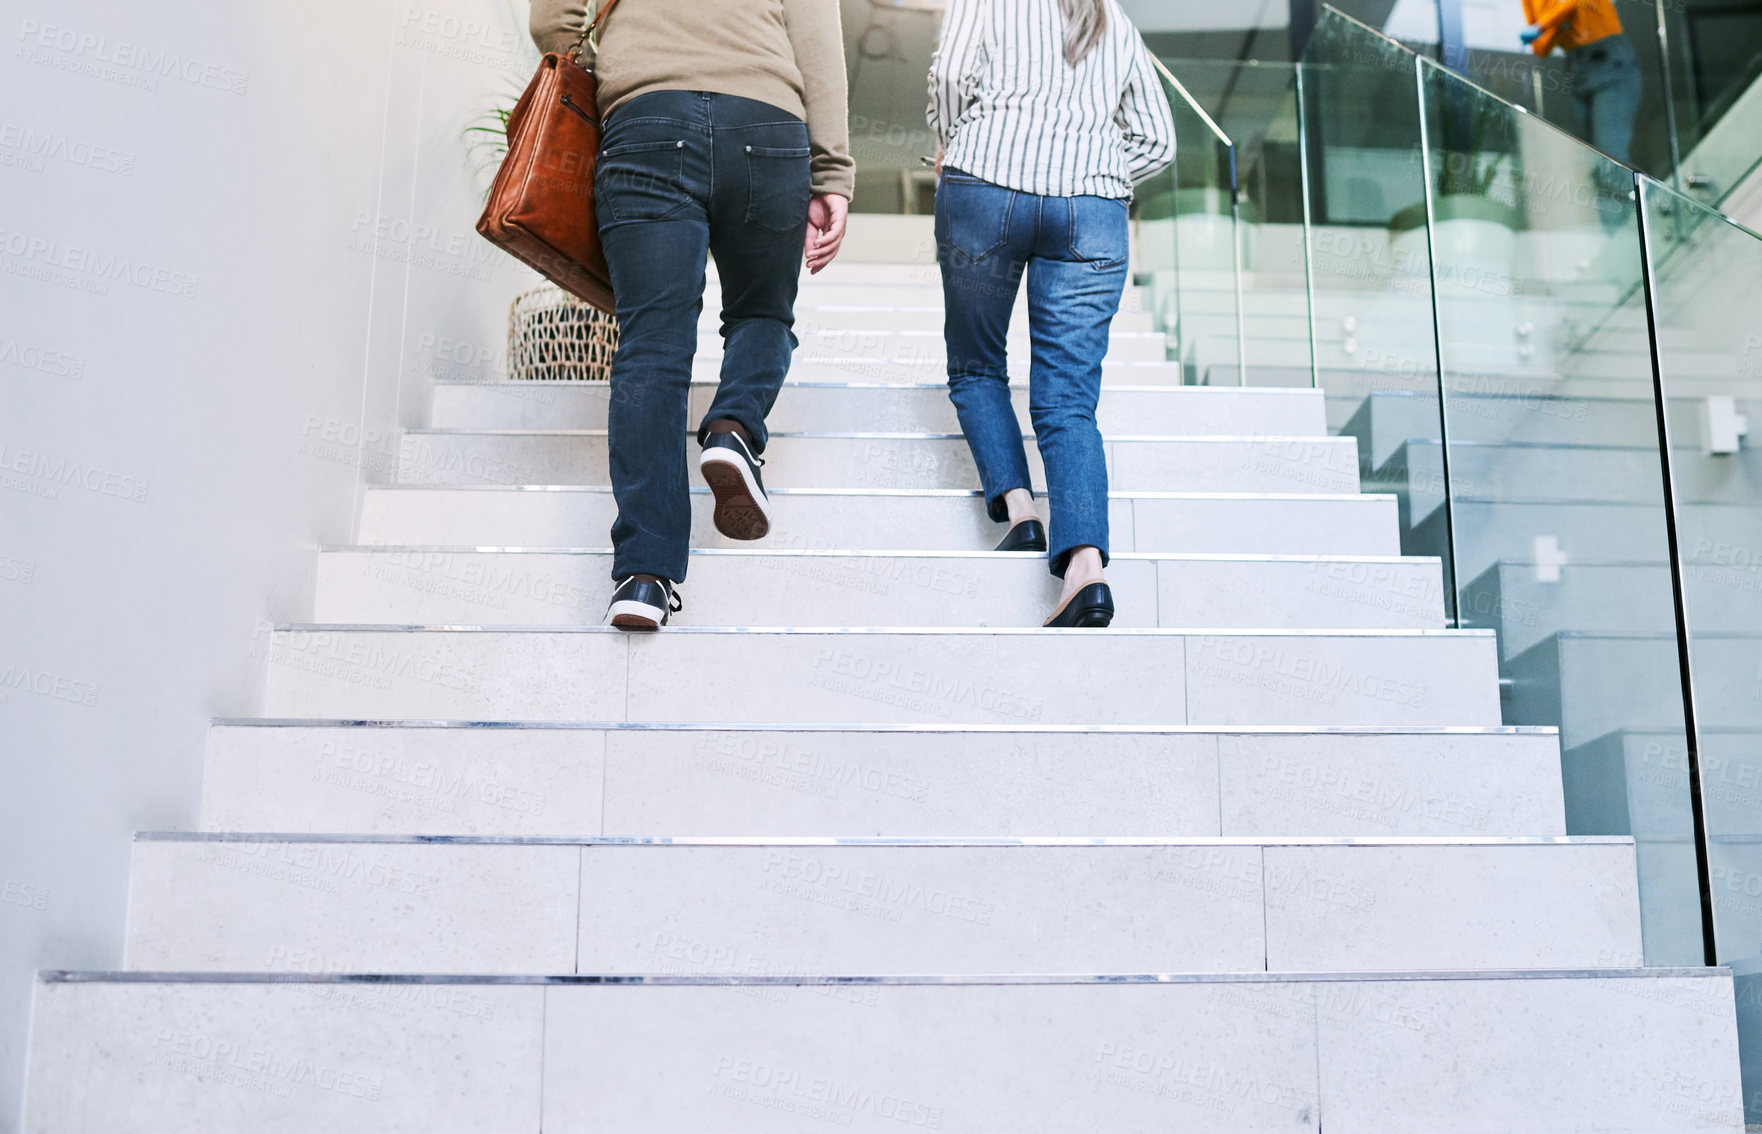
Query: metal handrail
point(1181, 89)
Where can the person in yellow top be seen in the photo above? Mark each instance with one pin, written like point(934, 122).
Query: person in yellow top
point(1605, 71)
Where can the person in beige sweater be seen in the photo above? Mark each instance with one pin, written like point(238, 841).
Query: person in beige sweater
point(788, 53)
point(725, 134)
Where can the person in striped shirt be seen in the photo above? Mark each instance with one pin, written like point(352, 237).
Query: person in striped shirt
point(1047, 113)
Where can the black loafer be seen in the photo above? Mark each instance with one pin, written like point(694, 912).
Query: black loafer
point(1089, 608)
point(1029, 535)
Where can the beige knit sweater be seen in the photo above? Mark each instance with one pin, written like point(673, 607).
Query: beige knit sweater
point(788, 53)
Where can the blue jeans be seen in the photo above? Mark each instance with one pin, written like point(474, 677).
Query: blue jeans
point(1606, 87)
point(1073, 251)
point(681, 176)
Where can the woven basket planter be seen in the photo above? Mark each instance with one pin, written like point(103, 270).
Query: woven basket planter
point(554, 337)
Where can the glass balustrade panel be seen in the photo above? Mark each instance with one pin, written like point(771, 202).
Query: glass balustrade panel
point(1706, 278)
point(1187, 251)
point(1255, 104)
point(1373, 342)
point(1552, 482)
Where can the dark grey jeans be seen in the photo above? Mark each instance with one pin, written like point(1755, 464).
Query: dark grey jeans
point(681, 176)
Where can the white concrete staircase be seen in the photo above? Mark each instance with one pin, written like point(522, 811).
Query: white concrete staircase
point(855, 844)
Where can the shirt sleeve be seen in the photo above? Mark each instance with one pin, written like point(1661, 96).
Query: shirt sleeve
point(955, 67)
point(1145, 119)
point(1550, 14)
point(816, 33)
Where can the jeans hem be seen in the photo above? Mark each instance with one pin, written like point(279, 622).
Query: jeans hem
point(755, 437)
point(1059, 560)
point(998, 509)
point(620, 573)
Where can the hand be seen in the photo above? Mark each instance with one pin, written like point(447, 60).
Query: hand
point(1530, 35)
point(827, 214)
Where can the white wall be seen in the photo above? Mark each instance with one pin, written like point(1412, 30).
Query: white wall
point(203, 354)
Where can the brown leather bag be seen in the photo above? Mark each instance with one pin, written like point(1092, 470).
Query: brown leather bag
point(541, 209)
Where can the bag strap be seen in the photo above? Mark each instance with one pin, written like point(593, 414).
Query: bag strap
point(592, 27)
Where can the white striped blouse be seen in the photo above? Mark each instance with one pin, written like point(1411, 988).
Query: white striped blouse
point(1006, 107)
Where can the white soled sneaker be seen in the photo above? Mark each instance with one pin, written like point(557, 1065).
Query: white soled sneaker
point(732, 472)
point(638, 604)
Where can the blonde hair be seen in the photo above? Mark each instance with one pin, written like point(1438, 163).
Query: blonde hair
point(1085, 22)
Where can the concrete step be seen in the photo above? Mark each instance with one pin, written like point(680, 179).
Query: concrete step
point(912, 258)
point(1638, 778)
point(1591, 684)
point(1448, 1053)
point(919, 371)
point(1211, 356)
point(1530, 412)
point(1527, 602)
point(918, 285)
point(1489, 531)
point(875, 460)
point(893, 408)
point(1535, 412)
point(1409, 328)
point(1528, 471)
point(929, 346)
point(568, 516)
point(1086, 677)
point(1408, 367)
point(459, 586)
point(925, 315)
point(1020, 781)
point(920, 275)
point(222, 903)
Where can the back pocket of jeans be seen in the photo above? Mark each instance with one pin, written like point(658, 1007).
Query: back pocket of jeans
point(1100, 232)
point(779, 187)
point(975, 215)
point(641, 180)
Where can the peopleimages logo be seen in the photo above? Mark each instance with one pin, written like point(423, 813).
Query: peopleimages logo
point(55, 686)
point(54, 472)
point(31, 147)
point(54, 363)
point(102, 57)
point(89, 268)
